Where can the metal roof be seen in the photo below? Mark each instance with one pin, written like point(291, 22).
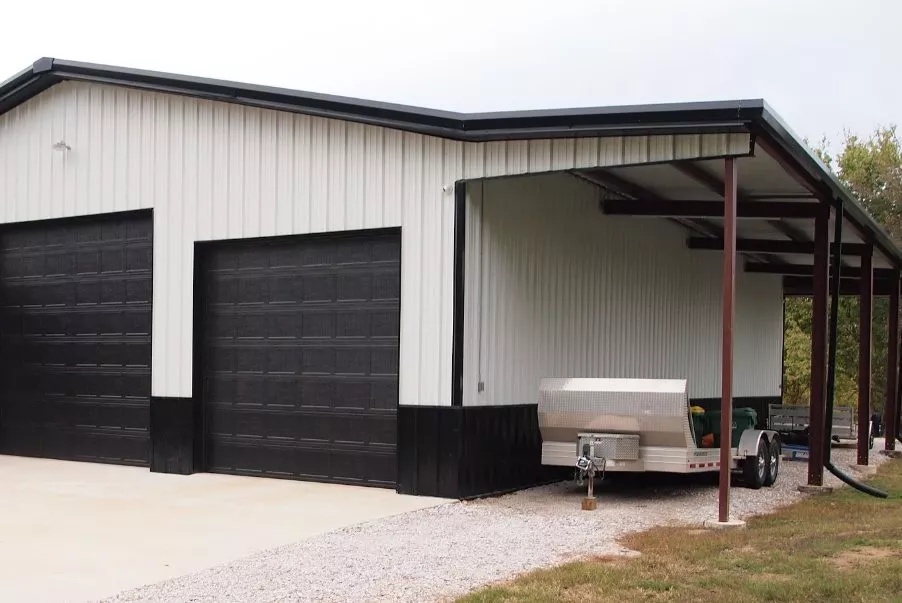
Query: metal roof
point(754, 116)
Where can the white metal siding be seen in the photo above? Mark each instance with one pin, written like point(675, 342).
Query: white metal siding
point(212, 170)
point(557, 289)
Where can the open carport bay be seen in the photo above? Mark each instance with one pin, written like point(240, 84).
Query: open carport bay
point(76, 531)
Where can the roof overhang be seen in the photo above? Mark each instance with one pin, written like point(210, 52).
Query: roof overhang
point(755, 117)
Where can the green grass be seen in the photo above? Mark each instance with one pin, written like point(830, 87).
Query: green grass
point(843, 547)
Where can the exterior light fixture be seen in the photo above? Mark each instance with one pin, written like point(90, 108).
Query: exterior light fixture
point(61, 146)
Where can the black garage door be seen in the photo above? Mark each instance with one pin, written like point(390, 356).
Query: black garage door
point(299, 355)
point(75, 306)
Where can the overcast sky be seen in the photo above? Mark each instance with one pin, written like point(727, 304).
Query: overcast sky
point(823, 65)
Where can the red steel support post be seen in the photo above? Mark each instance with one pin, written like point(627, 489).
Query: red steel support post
point(726, 372)
point(898, 408)
point(865, 309)
point(818, 403)
point(892, 365)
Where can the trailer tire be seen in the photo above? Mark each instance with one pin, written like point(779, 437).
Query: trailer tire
point(773, 469)
point(756, 467)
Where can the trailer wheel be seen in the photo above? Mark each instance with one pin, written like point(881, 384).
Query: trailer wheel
point(773, 470)
point(755, 468)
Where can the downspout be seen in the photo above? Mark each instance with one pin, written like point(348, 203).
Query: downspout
point(831, 361)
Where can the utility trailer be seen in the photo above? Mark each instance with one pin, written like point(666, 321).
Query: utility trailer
point(638, 425)
point(791, 422)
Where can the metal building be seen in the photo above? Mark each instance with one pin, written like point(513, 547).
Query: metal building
point(198, 275)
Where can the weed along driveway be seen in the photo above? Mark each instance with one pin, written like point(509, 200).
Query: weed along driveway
point(77, 531)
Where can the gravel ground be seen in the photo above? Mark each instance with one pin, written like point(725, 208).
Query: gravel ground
point(437, 553)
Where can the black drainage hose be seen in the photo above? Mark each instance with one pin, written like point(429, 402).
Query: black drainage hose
point(853, 482)
point(831, 363)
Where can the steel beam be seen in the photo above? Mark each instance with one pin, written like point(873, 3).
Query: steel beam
point(865, 309)
point(807, 270)
point(762, 210)
point(772, 246)
point(777, 197)
point(892, 366)
point(713, 184)
point(788, 165)
point(627, 188)
point(819, 347)
point(803, 286)
point(729, 313)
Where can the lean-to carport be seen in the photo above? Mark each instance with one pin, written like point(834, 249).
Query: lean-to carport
point(774, 213)
point(771, 211)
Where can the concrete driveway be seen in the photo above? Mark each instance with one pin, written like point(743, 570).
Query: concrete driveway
point(78, 531)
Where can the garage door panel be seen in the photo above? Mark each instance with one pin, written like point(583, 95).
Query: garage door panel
point(365, 429)
point(75, 318)
point(300, 358)
point(250, 325)
point(115, 415)
point(303, 424)
point(94, 445)
point(387, 285)
point(138, 258)
point(318, 288)
point(21, 438)
point(250, 359)
point(273, 459)
point(318, 360)
point(60, 264)
point(386, 251)
point(350, 394)
point(316, 324)
point(376, 468)
point(253, 291)
point(112, 260)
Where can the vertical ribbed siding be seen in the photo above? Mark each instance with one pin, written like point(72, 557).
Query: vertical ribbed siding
point(556, 288)
point(759, 333)
point(212, 170)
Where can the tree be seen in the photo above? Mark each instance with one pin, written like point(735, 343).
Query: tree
point(796, 351)
point(872, 169)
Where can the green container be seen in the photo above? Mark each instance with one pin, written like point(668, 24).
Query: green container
point(698, 425)
point(743, 418)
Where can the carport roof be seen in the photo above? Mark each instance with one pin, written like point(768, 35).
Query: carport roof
point(752, 116)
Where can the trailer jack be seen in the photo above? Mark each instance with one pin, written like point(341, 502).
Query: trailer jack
point(586, 468)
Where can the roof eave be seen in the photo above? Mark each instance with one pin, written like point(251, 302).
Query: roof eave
point(26, 84)
point(827, 183)
point(676, 118)
point(679, 118)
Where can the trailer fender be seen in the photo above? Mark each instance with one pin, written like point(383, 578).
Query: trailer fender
point(748, 442)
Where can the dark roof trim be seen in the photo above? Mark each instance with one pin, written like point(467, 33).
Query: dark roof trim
point(826, 183)
point(476, 127)
point(679, 118)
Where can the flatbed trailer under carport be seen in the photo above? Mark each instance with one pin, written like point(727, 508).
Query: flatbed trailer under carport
point(639, 425)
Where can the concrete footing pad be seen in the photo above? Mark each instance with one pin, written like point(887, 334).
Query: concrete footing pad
point(730, 524)
point(865, 469)
point(806, 489)
point(893, 454)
